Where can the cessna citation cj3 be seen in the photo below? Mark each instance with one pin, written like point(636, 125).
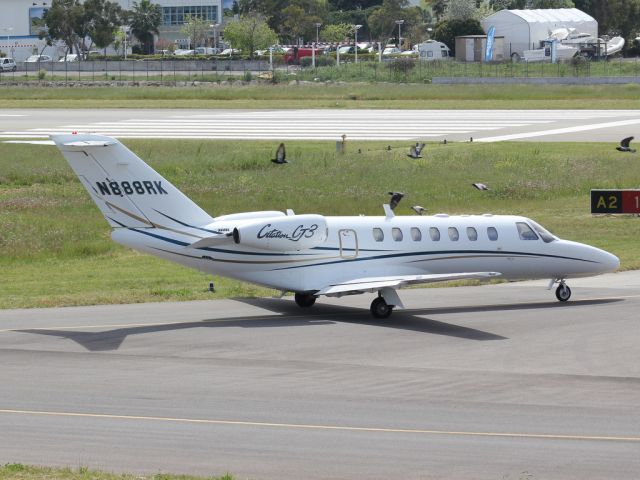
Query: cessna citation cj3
point(313, 255)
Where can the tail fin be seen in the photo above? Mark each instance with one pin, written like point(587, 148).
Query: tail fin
point(128, 192)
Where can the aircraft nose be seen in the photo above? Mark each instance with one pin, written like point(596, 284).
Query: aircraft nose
point(609, 262)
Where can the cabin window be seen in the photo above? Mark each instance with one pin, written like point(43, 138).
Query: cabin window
point(416, 234)
point(545, 235)
point(492, 233)
point(396, 233)
point(378, 235)
point(525, 232)
point(472, 234)
point(453, 234)
point(434, 233)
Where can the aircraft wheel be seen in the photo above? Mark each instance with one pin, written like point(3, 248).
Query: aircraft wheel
point(380, 308)
point(563, 292)
point(305, 300)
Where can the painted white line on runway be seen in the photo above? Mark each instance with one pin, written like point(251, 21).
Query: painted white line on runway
point(240, 423)
point(558, 131)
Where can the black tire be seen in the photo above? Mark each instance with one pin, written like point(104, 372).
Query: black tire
point(563, 292)
point(380, 308)
point(305, 300)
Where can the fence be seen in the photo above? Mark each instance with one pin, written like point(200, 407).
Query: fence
point(406, 70)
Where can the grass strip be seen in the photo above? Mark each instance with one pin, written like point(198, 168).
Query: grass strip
point(322, 95)
point(18, 471)
point(55, 247)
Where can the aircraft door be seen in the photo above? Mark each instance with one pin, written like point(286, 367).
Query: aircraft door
point(348, 243)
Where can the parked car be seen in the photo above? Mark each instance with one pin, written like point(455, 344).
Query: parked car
point(391, 51)
point(69, 57)
point(207, 50)
point(346, 49)
point(38, 58)
point(182, 52)
point(8, 65)
point(231, 51)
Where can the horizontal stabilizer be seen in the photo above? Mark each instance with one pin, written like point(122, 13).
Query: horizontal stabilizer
point(372, 284)
point(212, 240)
point(90, 143)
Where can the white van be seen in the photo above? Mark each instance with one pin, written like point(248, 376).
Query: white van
point(8, 65)
point(433, 50)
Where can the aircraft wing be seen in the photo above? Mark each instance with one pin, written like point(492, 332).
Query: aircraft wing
point(373, 284)
point(212, 240)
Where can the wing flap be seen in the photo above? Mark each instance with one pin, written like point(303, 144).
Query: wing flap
point(373, 284)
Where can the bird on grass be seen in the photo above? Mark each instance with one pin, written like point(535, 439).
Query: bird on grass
point(395, 199)
point(415, 150)
point(281, 156)
point(480, 186)
point(625, 145)
point(418, 209)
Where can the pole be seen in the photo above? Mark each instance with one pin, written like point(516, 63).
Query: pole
point(356, 45)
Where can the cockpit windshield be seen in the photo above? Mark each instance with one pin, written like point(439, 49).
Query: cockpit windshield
point(545, 235)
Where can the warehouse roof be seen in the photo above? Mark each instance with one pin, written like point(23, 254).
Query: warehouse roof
point(553, 15)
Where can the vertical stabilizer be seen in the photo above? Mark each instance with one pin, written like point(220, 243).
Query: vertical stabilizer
point(128, 192)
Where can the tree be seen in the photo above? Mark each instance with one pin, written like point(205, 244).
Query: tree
point(145, 20)
point(446, 31)
point(461, 10)
point(195, 29)
point(103, 18)
point(335, 33)
point(62, 20)
point(382, 21)
point(552, 4)
point(250, 33)
point(299, 20)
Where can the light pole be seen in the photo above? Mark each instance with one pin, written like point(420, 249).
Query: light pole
point(318, 25)
point(125, 30)
point(399, 23)
point(356, 28)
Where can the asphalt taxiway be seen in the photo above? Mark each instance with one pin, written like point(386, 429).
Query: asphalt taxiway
point(498, 381)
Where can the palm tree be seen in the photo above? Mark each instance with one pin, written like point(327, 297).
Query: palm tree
point(145, 20)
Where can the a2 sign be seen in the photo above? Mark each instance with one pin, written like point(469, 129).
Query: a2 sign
point(615, 201)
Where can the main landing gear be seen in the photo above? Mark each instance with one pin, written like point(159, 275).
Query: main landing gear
point(563, 292)
point(380, 308)
point(305, 300)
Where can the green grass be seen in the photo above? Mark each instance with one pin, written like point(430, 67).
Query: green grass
point(321, 95)
point(17, 471)
point(55, 247)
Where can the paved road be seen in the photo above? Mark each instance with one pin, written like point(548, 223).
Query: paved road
point(498, 382)
point(410, 125)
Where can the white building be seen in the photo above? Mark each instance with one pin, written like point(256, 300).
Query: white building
point(21, 20)
point(525, 29)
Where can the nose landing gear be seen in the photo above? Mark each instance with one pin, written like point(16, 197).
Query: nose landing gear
point(563, 292)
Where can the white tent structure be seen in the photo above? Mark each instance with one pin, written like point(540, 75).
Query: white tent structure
point(525, 29)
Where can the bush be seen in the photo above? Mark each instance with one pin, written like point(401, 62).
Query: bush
point(321, 61)
point(41, 74)
point(402, 65)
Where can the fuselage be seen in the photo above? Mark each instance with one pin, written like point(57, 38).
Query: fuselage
point(365, 246)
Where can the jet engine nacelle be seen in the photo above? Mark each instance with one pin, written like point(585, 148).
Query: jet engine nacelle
point(283, 234)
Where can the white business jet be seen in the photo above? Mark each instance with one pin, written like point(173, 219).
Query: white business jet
point(313, 255)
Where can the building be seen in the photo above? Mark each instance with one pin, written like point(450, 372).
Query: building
point(471, 48)
point(526, 29)
point(21, 20)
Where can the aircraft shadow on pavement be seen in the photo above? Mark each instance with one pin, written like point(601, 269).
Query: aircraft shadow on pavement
point(288, 314)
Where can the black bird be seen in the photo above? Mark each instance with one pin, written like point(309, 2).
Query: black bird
point(415, 150)
point(395, 199)
point(281, 156)
point(480, 186)
point(418, 209)
point(624, 145)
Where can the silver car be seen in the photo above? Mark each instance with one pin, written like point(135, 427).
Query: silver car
point(8, 65)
